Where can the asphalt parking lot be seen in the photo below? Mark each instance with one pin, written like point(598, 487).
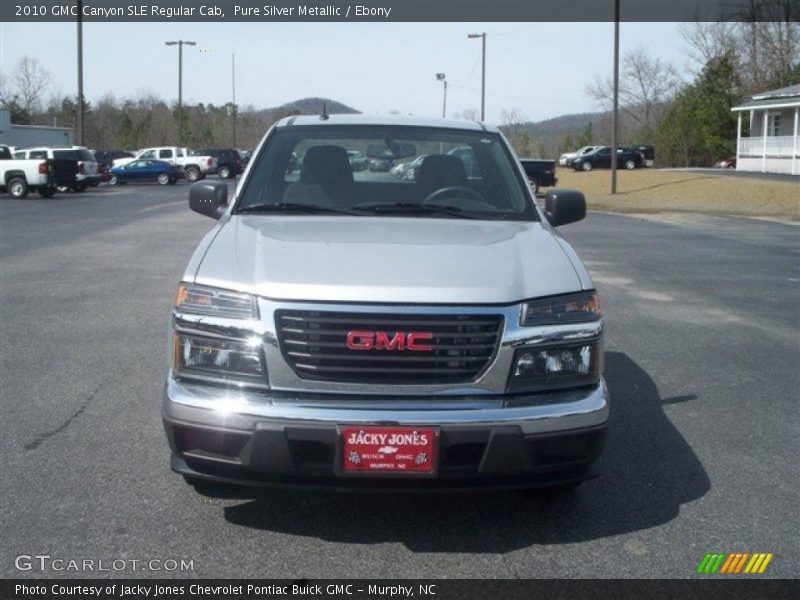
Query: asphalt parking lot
point(702, 363)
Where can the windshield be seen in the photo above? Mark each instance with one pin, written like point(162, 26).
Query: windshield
point(442, 173)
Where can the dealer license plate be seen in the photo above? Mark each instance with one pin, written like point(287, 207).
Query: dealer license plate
point(410, 450)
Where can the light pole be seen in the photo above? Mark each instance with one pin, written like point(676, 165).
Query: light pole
point(615, 110)
point(443, 78)
point(79, 124)
point(180, 44)
point(233, 85)
point(473, 36)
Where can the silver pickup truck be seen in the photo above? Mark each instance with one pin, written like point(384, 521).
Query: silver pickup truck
point(346, 329)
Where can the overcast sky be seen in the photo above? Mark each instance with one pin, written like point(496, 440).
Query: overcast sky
point(540, 69)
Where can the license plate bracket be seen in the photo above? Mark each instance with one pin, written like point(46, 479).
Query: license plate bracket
point(387, 451)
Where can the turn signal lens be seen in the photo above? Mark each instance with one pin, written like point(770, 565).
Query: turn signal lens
point(214, 301)
point(571, 308)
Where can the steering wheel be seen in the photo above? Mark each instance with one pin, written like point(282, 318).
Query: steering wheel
point(451, 191)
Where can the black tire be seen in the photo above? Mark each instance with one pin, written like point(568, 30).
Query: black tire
point(224, 172)
point(79, 187)
point(630, 165)
point(64, 188)
point(173, 180)
point(17, 187)
point(587, 166)
point(47, 192)
point(114, 180)
point(163, 178)
point(193, 173)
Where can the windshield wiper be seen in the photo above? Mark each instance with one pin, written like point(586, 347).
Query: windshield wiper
point(294, 207)
point(411, 208)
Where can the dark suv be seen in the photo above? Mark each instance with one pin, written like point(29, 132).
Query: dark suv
point(229, 163)
point(601, 159)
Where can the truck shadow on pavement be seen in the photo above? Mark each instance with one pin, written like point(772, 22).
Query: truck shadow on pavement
point(646, 473)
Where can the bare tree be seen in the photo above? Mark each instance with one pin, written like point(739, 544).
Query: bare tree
point(31, 81)
point(470, 114)
point(647, 85)
point(764, 44)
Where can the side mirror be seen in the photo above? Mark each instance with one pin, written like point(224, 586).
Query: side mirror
point(209, 198)
point(564, 206)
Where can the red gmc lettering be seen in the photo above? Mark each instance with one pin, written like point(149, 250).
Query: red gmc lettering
point(417, 336)
point(380, 340)
point(359, 340)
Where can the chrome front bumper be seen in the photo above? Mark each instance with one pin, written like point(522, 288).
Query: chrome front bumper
point(215, 407)
point(292, 440)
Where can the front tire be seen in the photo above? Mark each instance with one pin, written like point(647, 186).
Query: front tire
point(587, 166)
point(17, 187)
point(114, 180)
point(630, 165)
point(224, 172)
point(192, 173)
point(163, 178)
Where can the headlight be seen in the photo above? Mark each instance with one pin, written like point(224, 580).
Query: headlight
point(554, 367)
point(204, 300)
point(236, 360)
point(572, 308)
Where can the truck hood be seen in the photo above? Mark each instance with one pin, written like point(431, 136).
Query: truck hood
point(386, 260)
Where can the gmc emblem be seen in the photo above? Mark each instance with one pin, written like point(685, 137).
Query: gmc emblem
point(380, 340)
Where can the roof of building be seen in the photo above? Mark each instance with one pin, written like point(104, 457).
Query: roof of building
point(337, 119)
point(788, 96)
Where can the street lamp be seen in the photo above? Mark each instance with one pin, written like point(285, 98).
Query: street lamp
point(443, 78)
point(180, 44)
point(473, 36)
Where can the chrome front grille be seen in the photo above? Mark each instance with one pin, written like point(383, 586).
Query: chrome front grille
point(315, 345)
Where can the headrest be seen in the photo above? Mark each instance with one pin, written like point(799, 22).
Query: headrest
point(441, 170)
point(324, 165)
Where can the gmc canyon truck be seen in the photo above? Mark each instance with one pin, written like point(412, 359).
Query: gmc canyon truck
point(340, 329)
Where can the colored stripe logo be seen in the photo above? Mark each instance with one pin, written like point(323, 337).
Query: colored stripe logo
point(734, 563)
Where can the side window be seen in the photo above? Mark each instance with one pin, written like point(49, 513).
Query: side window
point(38, 154)
point(166, 153)
point(148, 154)
point(180, 152)
point(19, 155)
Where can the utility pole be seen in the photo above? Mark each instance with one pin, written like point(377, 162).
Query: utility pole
point(233, 84)
point(79, 114)
point(443, 78)
point(615, 110)
point(483, 71)
point(180, 44)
